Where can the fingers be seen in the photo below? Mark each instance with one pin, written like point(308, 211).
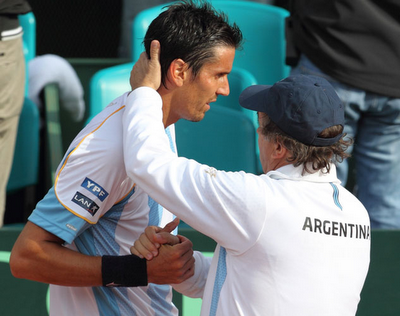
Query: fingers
point(171, 225)
point(141, 251)
point(185, 262)
point(166, 238)
point(174, 264)
point(163, 236)
point(185, 246)
point(148, 243)
point(147, 72)
point(188, 269)
point(146, 246)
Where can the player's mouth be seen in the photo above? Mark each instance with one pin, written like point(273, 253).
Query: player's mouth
point(208, 104)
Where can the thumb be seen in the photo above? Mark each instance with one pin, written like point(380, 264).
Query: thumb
point(171, 225)
point(155, 51)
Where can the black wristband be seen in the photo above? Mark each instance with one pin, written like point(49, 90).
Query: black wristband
point(123, 271)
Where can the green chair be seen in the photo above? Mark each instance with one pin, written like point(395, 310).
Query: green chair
point(263, 28)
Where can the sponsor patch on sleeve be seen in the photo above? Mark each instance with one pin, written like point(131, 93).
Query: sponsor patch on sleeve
point(96, 189)
point(86, 203)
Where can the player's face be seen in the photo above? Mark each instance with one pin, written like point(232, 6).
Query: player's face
point(211, 81)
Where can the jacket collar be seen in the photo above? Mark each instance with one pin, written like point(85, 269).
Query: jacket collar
point(290, 172)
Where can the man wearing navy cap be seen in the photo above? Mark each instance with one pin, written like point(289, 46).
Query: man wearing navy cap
point(292, 241)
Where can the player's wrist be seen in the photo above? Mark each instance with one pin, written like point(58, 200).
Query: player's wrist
point(123, 271)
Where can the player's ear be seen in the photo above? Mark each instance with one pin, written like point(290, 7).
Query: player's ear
point(279, 151)
point(177, 72)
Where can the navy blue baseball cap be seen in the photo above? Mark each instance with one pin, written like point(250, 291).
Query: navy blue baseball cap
point(302, 106)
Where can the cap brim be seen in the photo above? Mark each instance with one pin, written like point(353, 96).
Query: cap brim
point(253, 97)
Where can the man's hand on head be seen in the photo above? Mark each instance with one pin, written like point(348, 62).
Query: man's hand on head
point(147, 72)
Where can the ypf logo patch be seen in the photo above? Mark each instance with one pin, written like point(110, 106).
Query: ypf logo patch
point(96, 189)
point(86, 203)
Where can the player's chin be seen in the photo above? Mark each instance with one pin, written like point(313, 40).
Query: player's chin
point(198, 116)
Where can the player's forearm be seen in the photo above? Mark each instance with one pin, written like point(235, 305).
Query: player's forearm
point(39, 255)
point(49, 262)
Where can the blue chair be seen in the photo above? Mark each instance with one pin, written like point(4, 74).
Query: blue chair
point(263, 28)
point(28, 23)
point(106, 85)
point(224, 139)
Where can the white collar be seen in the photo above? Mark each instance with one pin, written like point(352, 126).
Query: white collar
point(290, 172)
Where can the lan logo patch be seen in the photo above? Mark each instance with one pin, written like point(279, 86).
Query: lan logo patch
point(86, 203)
point(96, 189)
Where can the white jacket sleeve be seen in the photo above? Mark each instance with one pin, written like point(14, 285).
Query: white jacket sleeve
point(194, 286)
point(226, 206)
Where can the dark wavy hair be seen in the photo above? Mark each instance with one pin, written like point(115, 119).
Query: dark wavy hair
point(316, 158)
point(190, 30)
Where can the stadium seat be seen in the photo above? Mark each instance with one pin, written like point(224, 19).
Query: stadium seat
point(28, 23)
point(106, 85)
point(224, 139)
point(240, 79)
point(263, 28)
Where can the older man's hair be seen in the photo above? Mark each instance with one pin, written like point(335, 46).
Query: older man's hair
point(313, 158)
